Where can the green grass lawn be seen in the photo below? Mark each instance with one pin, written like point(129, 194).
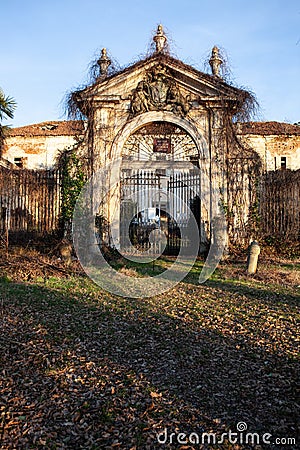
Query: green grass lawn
point(84, 369)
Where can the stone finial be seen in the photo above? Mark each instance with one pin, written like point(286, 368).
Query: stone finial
point(160, 39)
point(104, 62)
point(215, 62)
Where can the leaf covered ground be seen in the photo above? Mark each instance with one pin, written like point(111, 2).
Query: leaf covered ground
point(83, 369)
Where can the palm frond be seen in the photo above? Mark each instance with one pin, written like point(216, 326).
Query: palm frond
point(7, 106)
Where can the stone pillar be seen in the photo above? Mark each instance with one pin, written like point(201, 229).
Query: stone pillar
point(218, 150)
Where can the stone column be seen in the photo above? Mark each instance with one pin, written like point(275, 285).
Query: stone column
point(218, 150)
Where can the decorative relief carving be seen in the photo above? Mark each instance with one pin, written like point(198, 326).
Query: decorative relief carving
point(159, 91)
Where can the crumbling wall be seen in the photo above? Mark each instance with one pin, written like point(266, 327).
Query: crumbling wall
point(278, 144)
point(36, 152)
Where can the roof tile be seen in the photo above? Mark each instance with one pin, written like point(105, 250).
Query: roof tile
point(268, 128)
point(52, 128)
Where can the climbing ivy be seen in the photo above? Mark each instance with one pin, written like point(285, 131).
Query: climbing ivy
point(73, 178)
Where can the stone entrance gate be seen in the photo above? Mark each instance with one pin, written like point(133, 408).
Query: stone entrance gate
point(167, 125)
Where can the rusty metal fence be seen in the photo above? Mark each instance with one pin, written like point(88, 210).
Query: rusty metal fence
point(29, 200)
point(280, 204)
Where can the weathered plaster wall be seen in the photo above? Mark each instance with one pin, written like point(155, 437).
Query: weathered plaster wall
point(273, 141)
point(37, 152)
point(273, 148)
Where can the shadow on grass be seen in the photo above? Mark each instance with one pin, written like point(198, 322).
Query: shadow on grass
point(266, 294)
point(84, 351)
point(248, 287)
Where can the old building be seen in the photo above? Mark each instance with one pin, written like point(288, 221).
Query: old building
point(278, 144)
point(37, 146)
point(176, 135)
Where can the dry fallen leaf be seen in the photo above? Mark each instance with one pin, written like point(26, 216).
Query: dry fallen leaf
point(107, 372)
point(155, 395)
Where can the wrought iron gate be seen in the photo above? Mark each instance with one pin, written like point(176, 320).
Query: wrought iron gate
point(158, 200)
point(184, 188)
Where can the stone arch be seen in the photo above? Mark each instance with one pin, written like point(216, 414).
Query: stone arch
point(200, 143)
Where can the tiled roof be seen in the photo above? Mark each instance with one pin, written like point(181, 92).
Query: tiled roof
point(268, 128)
point(53, 128)
point(76, 127)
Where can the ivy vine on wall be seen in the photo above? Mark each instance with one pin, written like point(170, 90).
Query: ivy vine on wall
point(73, 178)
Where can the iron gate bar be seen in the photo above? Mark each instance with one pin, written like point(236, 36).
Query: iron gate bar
point(137, 199)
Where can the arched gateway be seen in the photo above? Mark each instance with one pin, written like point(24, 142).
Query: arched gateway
point(166, 124)
point(160, 185)
point(163, 157)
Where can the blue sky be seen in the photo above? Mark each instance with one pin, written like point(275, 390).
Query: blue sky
point(46, 46)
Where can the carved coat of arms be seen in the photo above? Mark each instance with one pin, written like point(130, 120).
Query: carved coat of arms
point(158, 91)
